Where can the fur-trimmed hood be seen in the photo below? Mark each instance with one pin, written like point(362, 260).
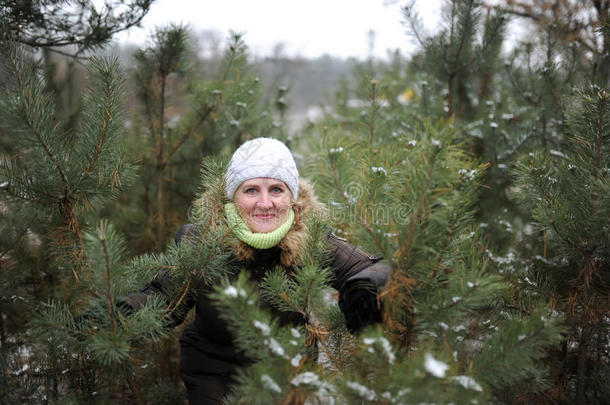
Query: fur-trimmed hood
point(292, 245)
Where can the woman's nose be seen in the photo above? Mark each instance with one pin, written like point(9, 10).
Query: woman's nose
point(264, 201)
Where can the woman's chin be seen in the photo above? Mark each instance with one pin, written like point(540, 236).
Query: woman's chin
point(263, 228)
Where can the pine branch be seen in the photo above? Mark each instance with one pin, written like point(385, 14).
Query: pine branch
point(374, 106)
point(171, 307)
point(45, 24)
point(27, 95)
point(602, 98)
point(414, 22)
point(359, 219)
point(210, 256)
point(26, 183)
point(200, 120)
point(236, 46)
point(464, 31)
point(530, 73)
point(107, 73)
point(495, 34)
point(102, 238)
point(503, 353)
point(555, 96)
point(75, 56)
point(35, 130)
point(405, 249)
point(526, 96)
point(161, 230)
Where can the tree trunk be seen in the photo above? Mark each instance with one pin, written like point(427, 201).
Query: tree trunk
point(161, 228)
point(603, 72)
point(585, 331)
point(160, 207)
point(581, 370)
point(70, 237)
point(450, 95)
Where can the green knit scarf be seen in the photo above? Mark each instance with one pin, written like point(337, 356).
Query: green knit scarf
point(257, 240)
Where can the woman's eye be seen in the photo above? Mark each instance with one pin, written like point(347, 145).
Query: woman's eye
point(277, 189)
point(250, 190)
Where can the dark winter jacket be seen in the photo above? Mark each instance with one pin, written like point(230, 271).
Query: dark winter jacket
point(209, 359)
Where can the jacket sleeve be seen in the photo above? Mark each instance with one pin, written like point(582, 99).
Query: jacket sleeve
point(159, 287)
point(358, 277)
point(350, 264)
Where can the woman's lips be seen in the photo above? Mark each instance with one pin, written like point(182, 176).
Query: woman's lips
point(264, 216)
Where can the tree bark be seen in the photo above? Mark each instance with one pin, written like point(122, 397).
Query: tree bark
point(585, 327)
point(161, 228)
point(71, 237)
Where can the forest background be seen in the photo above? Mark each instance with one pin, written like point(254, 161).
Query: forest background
point(479, 171)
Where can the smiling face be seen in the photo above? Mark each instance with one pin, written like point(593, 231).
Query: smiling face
point(263, 203)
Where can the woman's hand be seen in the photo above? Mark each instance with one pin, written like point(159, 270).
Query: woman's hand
point(360, 305)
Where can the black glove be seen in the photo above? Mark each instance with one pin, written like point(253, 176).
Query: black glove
point(124, 307)
point(359, 305)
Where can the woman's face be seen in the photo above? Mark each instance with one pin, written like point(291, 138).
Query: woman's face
point(263, 203)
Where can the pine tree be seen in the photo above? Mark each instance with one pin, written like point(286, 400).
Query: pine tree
point(464, 76)
point(90, 347)
point(581, 25)
point(52, 181)
point(166, 56)
point(511, 103)
point(62, 174)
point(470, 83)
point(568, 192)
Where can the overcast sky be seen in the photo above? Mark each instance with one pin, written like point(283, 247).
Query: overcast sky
point(306, 28)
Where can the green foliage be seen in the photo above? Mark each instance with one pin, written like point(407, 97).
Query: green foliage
point(568, 193)
point(97, 338)
point(279, 351)
point(411, 193)
point(469, 45)
point(514, 349)
point(300, 293)
point(568, 190)
point(56, 169)
point(303, 292)
point(79, 23)
point(498, 291)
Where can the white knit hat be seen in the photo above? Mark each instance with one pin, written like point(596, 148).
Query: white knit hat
point(262, 157)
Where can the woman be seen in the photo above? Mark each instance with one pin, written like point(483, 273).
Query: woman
point(266, 215)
